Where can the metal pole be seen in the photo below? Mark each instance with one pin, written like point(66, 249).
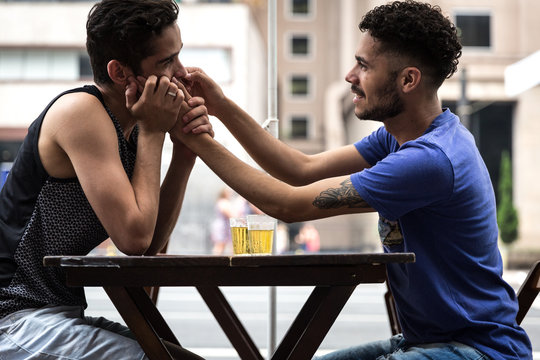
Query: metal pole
point(463, 106)
point(271, 125)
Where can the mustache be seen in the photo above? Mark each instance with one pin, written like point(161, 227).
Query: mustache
point(357, 90)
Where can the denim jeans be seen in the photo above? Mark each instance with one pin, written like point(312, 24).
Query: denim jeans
point(396, 348)
point(61, 332)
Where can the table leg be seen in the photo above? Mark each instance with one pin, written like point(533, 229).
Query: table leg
point(127, 306)
point(229, 322)
point(147, 306)
point(147, 324)
point(313, 322)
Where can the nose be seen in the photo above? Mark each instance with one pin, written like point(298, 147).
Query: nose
point(179, 69)
point(351, 77)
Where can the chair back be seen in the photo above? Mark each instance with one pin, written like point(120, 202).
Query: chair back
point(528, 291)
point(395, 327)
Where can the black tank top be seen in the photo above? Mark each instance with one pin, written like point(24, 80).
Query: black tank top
point(41, 215)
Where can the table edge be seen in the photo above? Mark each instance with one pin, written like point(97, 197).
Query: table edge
point(328, 259)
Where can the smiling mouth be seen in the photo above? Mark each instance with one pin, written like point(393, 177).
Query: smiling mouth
point(357, 98)
point(357, 92)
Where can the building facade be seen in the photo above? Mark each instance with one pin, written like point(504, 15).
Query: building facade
point(316, 44)
point(316, 41)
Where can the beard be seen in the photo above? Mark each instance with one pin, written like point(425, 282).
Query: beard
point(388, 104)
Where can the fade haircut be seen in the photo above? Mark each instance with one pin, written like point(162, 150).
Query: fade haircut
point(416, 32)
point(124, 30)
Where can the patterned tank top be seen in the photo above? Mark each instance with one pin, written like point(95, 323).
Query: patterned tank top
point(40, 216)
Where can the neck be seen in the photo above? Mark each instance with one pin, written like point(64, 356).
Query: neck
point(115, 100)
point(412, 122)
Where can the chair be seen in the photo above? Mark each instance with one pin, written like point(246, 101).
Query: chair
point(395, 328)
point(526, 294)
point(528, 291)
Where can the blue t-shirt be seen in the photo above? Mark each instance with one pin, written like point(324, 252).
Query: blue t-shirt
point(437, 190)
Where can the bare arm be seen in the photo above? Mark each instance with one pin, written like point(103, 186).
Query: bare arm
point(276, 157)
point(79, 129)
point(321, 199)
point(171, 197)
point(174, 185)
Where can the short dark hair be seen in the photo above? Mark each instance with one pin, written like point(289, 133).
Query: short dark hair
point(123, 30)
point(417, 31)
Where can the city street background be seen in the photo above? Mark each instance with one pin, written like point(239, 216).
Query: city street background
point(364, 318)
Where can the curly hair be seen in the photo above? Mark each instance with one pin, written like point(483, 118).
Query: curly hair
point(123, 30)
point(419, 32)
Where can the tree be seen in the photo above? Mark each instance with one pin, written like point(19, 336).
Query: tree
point(507, 216)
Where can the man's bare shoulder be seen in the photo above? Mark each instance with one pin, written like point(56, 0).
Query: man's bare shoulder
point(74, 106)
point(77, 123)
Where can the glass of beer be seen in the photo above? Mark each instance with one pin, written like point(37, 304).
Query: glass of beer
point(239, 232)
point(261, 233)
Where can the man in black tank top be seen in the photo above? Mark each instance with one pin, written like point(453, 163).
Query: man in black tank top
point(89, 169)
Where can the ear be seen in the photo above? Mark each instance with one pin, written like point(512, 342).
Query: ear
point(118, 72)
point(410, 78)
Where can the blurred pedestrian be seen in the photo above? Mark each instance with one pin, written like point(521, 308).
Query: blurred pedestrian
point(220, 233)
point(308, 238)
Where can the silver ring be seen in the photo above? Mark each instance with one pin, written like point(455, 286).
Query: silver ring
point(173, 94)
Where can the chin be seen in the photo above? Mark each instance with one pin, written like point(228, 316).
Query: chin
point(362, 115)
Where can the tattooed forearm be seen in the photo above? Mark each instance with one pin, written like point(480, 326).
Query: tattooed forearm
point(345, 196)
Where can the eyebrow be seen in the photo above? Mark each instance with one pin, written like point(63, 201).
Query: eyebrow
point(164, 60)
point(361, 59)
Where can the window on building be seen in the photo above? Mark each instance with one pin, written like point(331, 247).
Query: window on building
point(474, 29)
point(85, 69)
point(39, 64)
point(299, 85)
point(300, 7)
point(491, 126)
point(299, 127)
point(216, 61)
point(300, 45)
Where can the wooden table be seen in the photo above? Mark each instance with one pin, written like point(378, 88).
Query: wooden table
point(334, 277)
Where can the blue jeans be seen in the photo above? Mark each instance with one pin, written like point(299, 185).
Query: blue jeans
point(62, 332)
point(396, 348)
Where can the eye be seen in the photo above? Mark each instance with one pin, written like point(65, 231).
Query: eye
point(361, 64)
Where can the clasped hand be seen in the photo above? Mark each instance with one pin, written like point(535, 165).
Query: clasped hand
point(165, 105)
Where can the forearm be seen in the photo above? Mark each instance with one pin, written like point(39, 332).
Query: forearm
point(171, 197)
point(225, 165)
point(273, 155)
point(146, 188)
point(324, 198)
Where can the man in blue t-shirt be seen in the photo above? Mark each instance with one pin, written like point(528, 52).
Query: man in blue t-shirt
point(421, 172)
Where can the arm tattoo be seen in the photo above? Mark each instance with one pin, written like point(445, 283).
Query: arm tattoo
point(345, 196)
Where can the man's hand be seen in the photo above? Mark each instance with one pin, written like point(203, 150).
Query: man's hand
point(192, 120)
point(158, 106)
point(193, 113)
point(200, 84)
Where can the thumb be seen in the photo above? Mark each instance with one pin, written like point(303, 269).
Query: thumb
point(131, 93)
point(187, 95)
point(195, 75)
